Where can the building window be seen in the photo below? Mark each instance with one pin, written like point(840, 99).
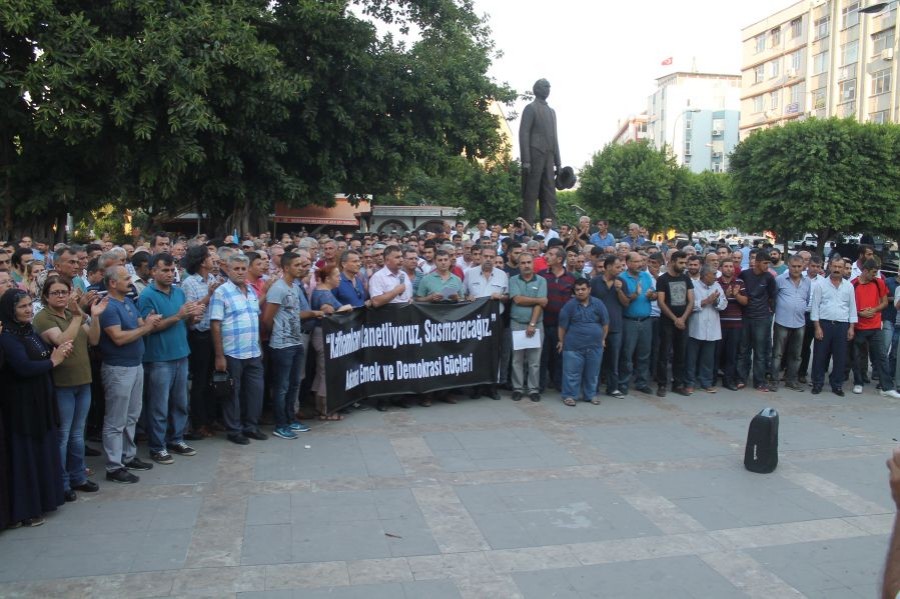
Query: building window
point(820, 63)
point(795, 94)
point(775, 37)
point(687, 148)
point(718, 167)
point(850, 52)
point(775, 68)
point(818, 98)
point(882, 40)
point(796, 60)
point(773, 100)
point(850, 15)
point(881, 82)
point(847, 91)
point(821, 28)
point(718, 125)
point(759, 73)
point(879, 118)
point(797, 27)
point(758, 103)
point(760, 42)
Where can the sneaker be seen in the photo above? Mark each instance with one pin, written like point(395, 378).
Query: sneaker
point(182, 449)
point(794, 386)
point(137, 464)
point(299, 427)
point(284, 432)
point(357, 406)
point(516, 396)
point(661, 391)
point(87, 486)
point(122, 475)
point(257, 435)
point(857, 389)
point(616, 393)
point(32, 522)
point(646, 390)
point(838, 391)
point(534, 396)
point(162, 457)
point(239, 439)
point(892, 394)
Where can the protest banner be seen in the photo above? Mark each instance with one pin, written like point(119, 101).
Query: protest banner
point(410, 349)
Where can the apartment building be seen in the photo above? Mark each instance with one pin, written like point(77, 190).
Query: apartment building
point(696, 116)
point(819, 58)
point(633, 128)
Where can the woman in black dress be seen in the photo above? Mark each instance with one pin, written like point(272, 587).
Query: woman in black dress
point(29, 413)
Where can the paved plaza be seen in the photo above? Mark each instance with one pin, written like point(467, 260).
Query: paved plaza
point(638, 497)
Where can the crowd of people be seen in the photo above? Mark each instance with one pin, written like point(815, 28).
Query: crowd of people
point(120, 344)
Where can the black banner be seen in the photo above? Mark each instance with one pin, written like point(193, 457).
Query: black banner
point(410, 348)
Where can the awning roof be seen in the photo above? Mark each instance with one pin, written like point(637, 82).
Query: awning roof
point(342, 214)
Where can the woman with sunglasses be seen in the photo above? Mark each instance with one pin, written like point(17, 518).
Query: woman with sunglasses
point(29, 413)
point(61, 321)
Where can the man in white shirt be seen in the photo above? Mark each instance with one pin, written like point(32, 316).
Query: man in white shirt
point(832, 311)
point(487, 281)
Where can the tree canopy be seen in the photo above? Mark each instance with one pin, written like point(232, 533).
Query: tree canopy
point(818, 175)
point(226, 107)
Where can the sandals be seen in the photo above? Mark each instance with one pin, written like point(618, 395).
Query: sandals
point(569, 402)
point(596, 401)
point(331, 417)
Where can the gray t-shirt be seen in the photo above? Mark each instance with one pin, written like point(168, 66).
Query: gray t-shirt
point(286, 324)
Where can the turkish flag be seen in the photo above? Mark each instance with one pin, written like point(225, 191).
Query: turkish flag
point(666, 62)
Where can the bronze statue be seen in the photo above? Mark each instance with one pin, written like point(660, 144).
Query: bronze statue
point(539, 150)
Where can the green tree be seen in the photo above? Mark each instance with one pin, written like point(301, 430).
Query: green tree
point(700, 200)
point(631, 182)
point(818, 175)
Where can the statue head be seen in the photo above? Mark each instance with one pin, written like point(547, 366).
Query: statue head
point(541, 89)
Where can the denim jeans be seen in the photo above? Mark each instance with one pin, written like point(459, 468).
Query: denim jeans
point(757, 337)
point(241, 411)
point(581, 371)
point(637, 337)
point(610, 363)
point(74, 403)
point(167, 402)
point(787, 343)
point(123, 387)
point(287, 369)
point(875, 339)
point(699, 364)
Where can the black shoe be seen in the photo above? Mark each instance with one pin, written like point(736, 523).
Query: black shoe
point(402, 403)
point(801, 379)
point(838, 391)
point(162, 457)
point(534, 396)
point(381, 406)
point(517, 395)
point(361, 407)
point(731, 386)
point(181, 449)
point(256, 435)
point(91, 452)
point(816, 389)
point(646, 390)
point(239, 439)
point(136, 464)
point(122, 476)
point(474, 394)
point(661, 391)
point(794, 387)
point(70, 496)
point(87, 486)
point(493, 394)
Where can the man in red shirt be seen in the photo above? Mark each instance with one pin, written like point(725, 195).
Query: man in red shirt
point(871, 298)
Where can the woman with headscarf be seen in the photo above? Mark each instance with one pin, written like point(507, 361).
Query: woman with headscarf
point(29, 413)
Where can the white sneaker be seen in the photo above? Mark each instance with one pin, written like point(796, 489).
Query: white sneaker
point(892, 393)
point(857, 389)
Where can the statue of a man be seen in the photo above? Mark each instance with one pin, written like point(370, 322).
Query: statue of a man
point(539, 150)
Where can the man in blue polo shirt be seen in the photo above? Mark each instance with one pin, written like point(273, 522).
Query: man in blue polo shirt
point(166, 360)
point(637, 327)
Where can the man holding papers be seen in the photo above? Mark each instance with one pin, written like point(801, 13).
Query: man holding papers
point(529, 296)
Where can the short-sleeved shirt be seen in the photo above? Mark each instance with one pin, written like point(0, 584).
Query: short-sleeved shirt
point(761, 292)
point(76, 369)
point(477, 285)
point(286, 331)
point(351, 292)
point(125, 314)
point(868, 295)
point(559, 291)
point(171, 343)
point(384, 281)
point(676, 290)
point(433, 283)
point(534, 287)
point(610, 298)
point(195, 289)
point(640, 306)
point(732, 316)
point(322, 297)
point(583, 324)
point(239, 315)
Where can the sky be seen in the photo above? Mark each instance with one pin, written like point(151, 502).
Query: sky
point(602, 58)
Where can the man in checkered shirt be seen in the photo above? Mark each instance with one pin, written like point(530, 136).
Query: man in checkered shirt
point(234, 324)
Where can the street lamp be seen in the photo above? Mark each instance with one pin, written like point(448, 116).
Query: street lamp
point(675, 126)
